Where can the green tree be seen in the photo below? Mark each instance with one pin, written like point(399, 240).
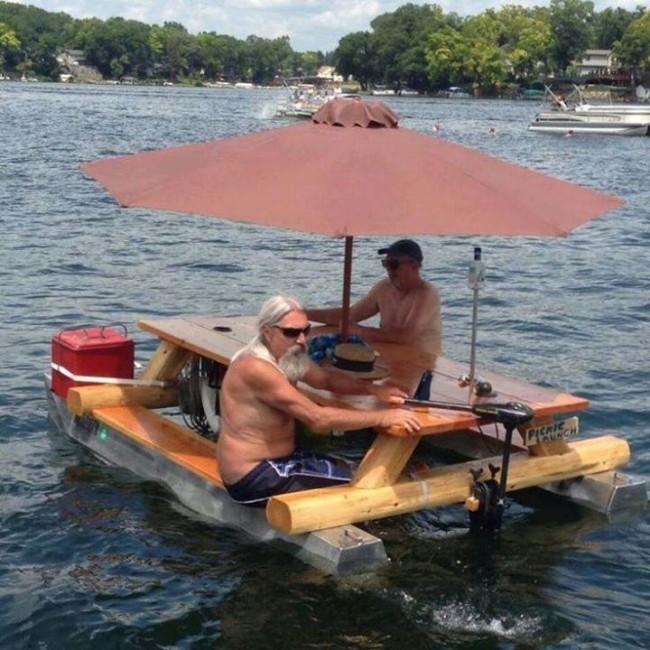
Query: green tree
point(400, 40)
point(446, 53)
point(40, 34)
point(571, 26)
point(525, 37)
point(472, 54)
point(268, 57)
point(172, 46)
point(309, 62)
point(116, 47)
point(485, 62)
point(44, 58)
point(354, 57)
point(9, 46)
point(633, 50)
point(610, 24)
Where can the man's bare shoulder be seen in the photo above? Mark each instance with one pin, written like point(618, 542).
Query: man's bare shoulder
point(255, 371)
point(430, 288)
point(381, 288)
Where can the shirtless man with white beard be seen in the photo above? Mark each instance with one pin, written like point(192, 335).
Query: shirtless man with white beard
point(260, 403)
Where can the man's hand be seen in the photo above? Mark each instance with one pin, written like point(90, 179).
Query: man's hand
point(401, 418)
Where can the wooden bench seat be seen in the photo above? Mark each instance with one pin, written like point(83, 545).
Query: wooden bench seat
point(170, 439)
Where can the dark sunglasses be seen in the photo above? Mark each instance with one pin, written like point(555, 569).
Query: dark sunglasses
point(393, 265)
point(294, 332)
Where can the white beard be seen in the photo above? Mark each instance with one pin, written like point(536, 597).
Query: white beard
point(294, 363)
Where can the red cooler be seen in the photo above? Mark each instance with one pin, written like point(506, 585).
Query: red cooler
point(90, 352)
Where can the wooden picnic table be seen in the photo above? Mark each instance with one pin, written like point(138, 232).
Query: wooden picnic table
point(219, 338)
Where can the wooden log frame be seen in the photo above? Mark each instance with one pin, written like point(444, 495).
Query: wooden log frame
point(311, 510)
point(165, 364)
point(168, 360)
point(83, 400)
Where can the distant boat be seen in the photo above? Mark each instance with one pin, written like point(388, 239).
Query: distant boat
point(583, 117)
point(382, 91)
point(454, 92)
point(559, 122)
point(407, 92)
point(532, 93)
point(305, 100)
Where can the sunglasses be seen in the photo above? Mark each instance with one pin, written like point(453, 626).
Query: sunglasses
point(294, 332)
point(393, 265)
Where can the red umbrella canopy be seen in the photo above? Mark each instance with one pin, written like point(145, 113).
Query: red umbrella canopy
point(351, 171)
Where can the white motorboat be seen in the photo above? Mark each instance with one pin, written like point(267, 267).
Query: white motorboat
point(582, 117)
point(304, 101)
point(627, 112)
point(573, 122)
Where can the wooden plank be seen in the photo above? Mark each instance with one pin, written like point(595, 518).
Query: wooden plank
point(201, 337)
point(310, 510)
point(166, 437)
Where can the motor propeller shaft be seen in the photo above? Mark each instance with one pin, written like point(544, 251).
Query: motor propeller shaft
point(512, 414)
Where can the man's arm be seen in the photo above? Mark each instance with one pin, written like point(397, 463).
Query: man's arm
point(329, 316)
point(365, 308)
point(342, 384)
point(270, 386)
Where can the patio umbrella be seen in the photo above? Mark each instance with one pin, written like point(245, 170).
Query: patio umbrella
point(351, 171)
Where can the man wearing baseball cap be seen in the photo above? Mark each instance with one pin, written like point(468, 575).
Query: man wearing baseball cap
point(408, 306)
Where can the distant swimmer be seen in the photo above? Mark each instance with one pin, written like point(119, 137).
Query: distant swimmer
point(437, 127)
point(569, 133)
point(493, 131)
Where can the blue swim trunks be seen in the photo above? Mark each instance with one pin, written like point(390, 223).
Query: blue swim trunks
point(302, 470)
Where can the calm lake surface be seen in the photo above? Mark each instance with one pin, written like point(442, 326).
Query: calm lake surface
point(92, 556)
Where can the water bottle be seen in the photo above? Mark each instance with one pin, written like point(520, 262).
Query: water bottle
point(476, 270)
point(423, 391)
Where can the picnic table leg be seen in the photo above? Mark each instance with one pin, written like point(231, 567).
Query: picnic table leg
point(167, 361)
point(384, 461)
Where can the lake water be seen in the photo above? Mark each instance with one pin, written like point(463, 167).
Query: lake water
point(91, 556)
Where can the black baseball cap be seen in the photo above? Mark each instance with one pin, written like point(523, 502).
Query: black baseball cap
point(403, 247)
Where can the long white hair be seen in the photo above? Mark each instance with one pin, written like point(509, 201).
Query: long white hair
point(295, 362)
point(275, 309)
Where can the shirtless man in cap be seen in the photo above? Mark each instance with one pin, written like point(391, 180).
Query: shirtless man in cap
point(408, 306)
point(260, 404)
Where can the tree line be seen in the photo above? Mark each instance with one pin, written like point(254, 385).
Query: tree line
point(416, 46)
point(422, 47)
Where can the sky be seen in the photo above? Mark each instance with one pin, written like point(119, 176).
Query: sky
point(310, 24)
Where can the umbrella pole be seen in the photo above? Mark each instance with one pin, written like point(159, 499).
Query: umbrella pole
point(476, 281)
point(347, 281)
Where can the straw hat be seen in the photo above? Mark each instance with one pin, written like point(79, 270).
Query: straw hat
point(356, 360)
